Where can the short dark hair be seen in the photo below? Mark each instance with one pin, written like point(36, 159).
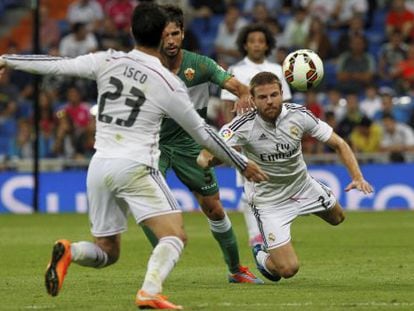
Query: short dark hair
point(245, 31)
point(174, 15)
point(147, 23)
point(262, 78)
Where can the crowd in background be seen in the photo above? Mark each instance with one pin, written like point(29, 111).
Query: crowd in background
point(367, 47)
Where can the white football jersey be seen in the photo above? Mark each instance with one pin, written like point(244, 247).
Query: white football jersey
point(277, 149)
point(135, 92)
point(245, 70)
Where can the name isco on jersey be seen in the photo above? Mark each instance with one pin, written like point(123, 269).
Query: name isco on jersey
point(135, 74)
point(272, 157)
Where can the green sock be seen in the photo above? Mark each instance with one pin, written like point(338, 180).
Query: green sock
point(224, 235)
point(150, 235)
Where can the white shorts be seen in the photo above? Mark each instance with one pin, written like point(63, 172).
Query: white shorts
point(117, 186)
point(274, 219)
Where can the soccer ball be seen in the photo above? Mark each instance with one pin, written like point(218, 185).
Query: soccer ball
point(303, 69)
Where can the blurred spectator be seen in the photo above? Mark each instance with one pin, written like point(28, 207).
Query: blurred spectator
point(88, 12)
point(271, 6)
point(190, 42)
point(344, 11)
point(321, 9)
point(79, 42)
point(400, 18)
point(120, 12)
point(318, 40)
point(366, 136)
point(404, 73)
point(49, 30)
point(310, 145)
point(356, 28)
point(64, 145)
point(8, 107)
point(371, 103)
point(22, 144)
point(355, 67)
point(388, 107)
point(391, 54)
point(109, 37)
point(47, 122)
point(397, 138)
point(297, 29)
point(352, 118)
point(260, 13)
point(335, 103)
point(77, 110)
point(207, 8)
point(225, 43)
point(84, 144)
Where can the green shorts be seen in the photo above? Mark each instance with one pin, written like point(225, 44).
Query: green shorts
point(184, 163)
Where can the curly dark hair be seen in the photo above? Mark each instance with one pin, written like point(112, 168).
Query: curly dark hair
point(245, 31)
point(174, 15)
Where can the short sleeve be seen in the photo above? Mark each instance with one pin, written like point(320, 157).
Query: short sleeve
point(317, 128)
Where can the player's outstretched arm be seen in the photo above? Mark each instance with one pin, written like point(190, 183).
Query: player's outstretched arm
point(82, 66)
point(348, 159)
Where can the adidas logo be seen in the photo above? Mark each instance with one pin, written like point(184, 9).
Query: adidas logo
point(262, 137)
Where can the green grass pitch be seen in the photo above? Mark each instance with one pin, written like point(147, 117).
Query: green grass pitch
point(367, 263)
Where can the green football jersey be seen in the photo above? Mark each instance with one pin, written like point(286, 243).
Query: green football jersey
point(196, 71)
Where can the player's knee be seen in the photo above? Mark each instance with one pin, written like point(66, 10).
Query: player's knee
point(183, 237)
point(288, 271)
point(113, 256)
point(213, 210)
point(338, 218)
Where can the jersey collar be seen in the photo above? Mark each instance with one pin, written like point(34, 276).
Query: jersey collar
point(252, 64)
point(147, 57)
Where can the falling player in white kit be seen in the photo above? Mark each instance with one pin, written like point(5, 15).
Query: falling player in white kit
point(255, 42)
point(272, 136)
point(135, 92)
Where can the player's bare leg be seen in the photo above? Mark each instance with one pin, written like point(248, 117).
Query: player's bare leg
point(221, 228)
point(334, 216)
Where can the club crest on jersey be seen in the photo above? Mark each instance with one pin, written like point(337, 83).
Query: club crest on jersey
point(226, 133)
point(189, 74)
point(271, 237)
point(294, 130)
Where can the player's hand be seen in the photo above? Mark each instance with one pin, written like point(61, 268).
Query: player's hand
point(361, 185)
point(204, 158)
point(243, 104)
point(254, 173)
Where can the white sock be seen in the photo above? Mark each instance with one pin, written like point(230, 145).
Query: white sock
point(88, 254)
point(163, 259)
point(251, 222)
point(262, 258)
point(220, 226)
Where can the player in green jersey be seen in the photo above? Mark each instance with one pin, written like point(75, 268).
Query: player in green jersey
point(179, 151)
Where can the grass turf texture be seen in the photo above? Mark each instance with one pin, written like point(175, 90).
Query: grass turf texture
point(367, 263)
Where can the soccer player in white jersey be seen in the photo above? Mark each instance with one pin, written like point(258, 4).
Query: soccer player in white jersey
point(135, 93)
point(255, 42)
point(272, 136)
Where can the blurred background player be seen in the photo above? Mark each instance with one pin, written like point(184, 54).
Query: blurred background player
point(123, 174)
point(255, 43)
point(179, 150)
point(272, 136)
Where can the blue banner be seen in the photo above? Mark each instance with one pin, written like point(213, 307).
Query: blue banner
point(62, 192)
